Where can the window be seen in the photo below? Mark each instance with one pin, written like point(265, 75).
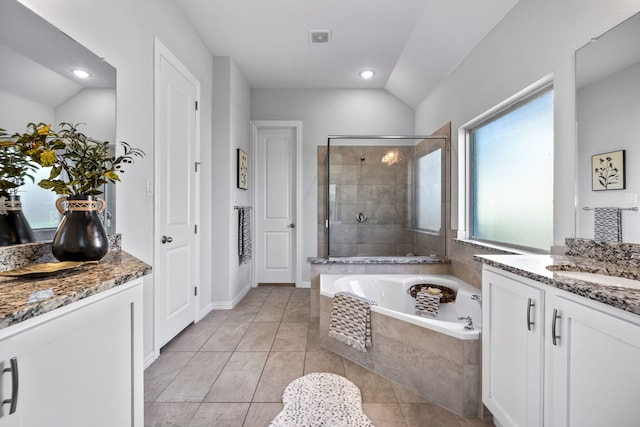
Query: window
point(429, 183)
point(511, 174)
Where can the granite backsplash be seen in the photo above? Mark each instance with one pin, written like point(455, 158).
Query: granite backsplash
point(624, 254)
point(12, 257)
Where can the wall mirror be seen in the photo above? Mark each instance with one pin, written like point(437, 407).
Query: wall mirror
point(607, 112)
point(37, 85)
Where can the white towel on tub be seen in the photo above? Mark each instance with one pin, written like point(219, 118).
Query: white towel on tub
point(350, 321)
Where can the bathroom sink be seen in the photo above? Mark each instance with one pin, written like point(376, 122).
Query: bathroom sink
point(600, 279)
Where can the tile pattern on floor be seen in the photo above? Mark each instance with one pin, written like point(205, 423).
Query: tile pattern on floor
point(230, 369)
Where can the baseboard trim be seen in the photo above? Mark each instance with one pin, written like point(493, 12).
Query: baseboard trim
point(149, 359)
point(206, 310)
point(229, 305)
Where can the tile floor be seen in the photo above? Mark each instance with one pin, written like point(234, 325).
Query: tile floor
point(230, 369)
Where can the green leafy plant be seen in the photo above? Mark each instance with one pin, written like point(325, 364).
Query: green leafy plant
point(79, 164)
point(15, 166)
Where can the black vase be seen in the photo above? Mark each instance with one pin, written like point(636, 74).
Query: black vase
point(80, 235)
point(14, 227)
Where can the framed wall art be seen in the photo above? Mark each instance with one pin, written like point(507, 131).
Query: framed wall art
point(607, 171)
point(243, 170)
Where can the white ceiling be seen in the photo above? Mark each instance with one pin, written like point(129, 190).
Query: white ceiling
point(413, 45)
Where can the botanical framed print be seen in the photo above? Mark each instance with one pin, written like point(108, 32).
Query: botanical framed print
point(243, 170)
point(607, 171)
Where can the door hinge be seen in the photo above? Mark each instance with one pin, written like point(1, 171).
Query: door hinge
point(196, 164)
point(195, 229)
point(195, 291)
point(196, 105)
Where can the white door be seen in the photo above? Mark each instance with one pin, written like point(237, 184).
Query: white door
point(176, 149)
point(276, 205)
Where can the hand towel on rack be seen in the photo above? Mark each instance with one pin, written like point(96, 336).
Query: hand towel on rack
point(350, 320)
point(244, 234)
point(607, 224)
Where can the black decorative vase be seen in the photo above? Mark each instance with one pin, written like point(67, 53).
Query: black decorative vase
point(80, 235)
point(14, 227)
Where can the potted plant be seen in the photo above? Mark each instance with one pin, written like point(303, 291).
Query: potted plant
point(80, 167)
point(15, 168)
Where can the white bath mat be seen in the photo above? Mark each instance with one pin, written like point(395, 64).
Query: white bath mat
point(321, 399)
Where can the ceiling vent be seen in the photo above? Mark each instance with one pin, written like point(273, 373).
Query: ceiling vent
point(320, 36)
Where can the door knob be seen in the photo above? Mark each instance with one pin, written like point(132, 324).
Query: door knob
point(166, 239)
point(291, 226)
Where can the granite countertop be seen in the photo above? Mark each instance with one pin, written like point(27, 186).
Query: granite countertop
point(116, 268)
point(380, 260)
point(535, 268)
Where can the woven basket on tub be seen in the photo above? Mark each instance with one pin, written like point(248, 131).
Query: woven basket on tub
point(448, 294)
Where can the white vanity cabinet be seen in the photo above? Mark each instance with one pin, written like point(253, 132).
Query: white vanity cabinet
point(78, 365)
point(593, 365)
point(576, 365)
point(512, 349)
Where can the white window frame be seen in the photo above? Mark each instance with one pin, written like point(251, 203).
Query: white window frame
point(464, 154)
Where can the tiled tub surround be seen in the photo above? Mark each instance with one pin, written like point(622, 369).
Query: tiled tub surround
point(116, 268)
point(440, 368)
point(612, 259)
point(370, 265)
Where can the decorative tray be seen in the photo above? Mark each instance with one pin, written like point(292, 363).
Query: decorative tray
point(44, 269)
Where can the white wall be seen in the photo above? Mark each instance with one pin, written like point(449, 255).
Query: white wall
point(231, 109)
point(123, 31)
point(608, 112)
point(16, 112)
point(536, 38)
point(324, 113)
point(95, 109)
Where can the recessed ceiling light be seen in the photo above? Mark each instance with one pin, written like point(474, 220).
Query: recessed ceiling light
point(82, 74)
point(320, 36)
point(367, 74)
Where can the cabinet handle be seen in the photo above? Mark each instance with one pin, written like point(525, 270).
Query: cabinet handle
point(14, 385)
point(554, 322)
point(530, 304)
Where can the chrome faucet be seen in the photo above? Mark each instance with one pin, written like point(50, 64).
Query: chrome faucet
point(477, 298)
point(469, 320)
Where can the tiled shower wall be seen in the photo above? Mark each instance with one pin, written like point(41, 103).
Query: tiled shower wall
point(382, 192)
point(379, 190)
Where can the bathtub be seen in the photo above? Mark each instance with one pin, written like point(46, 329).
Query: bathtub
point(434, 357)
point(390, 292)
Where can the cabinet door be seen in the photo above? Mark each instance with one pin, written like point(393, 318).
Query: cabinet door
point(512, 351)
point(82, 368)
point(592, 369)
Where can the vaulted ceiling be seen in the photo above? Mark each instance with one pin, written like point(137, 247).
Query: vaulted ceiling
point(412, 45)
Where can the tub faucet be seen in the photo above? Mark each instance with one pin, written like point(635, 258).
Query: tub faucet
point(469, 320)
point(477, 298)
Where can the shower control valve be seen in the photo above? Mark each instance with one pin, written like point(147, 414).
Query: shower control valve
point(361, 217)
